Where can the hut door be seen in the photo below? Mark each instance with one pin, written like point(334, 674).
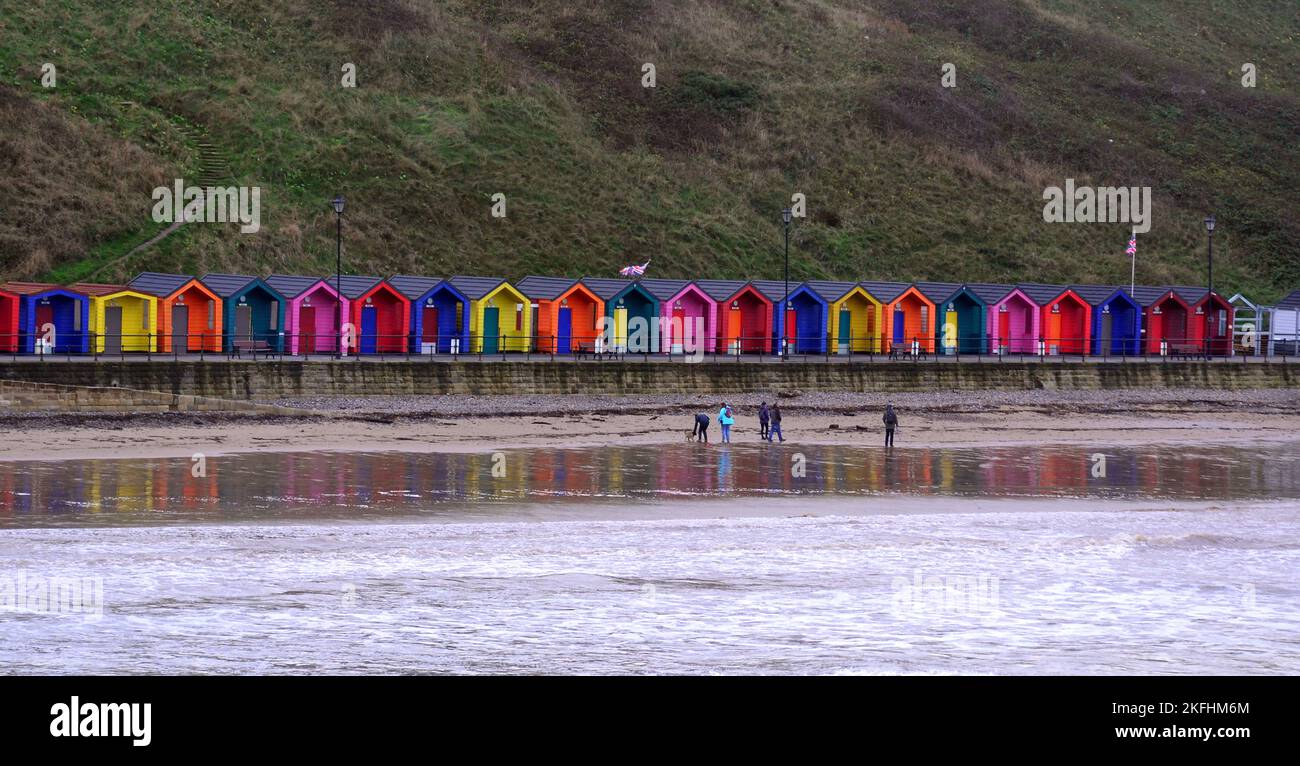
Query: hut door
point(620, 328)
point(564, 331)
point(112, 329)
point(243, 322)
point(1004, 331)
point(44, 316)
point(678, 330)
point(180, 327)
point(429, 325)
point(369, 329)
point(1107, 320)
point(306, 329)
point(846, 330)
point(950, 332)
point(491, 329)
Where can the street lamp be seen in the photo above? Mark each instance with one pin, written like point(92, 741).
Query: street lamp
point(786, 216)
point(338, 203)
point(1209, 229)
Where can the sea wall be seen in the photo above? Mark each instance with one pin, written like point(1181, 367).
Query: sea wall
point(268, 379)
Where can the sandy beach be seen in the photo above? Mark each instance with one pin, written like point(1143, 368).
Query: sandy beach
point(471, 424)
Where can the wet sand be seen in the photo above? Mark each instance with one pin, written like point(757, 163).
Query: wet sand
point(476, 424)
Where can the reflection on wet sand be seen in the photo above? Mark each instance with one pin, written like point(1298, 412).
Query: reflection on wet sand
point(268, 485)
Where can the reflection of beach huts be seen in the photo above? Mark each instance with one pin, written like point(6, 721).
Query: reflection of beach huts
point(189, 313)
point(909, 317)
point(439, 314)
point(121, 319)
point(744, 320)
point(568, 313)
point(1065, 318)
point(46, 308)
point(252, 312)
point(380, 315)
point(853, 316)
point(1013, 322)
point(314, 317)
point(500, 315)
point(631, 311)
point(961, 319)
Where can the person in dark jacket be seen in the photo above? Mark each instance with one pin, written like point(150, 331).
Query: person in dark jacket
point(891, 422)
point(775, 428)
point(763, 420)
point(701, 432)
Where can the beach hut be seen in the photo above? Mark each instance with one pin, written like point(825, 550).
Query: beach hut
point(1116, 319)
point(379, 312)
point(775, 291)
point(632, 312)
point(439, 314)
point(1209, 325)
point(121, 319)
point(314, 316)
point(46, 307)
point(1013, 324)
point(568, 313)
point(1250, 326)
point(1165, 317)
point(1065, 318)
point(1284, 326)
point(500, 317)
point(962, 318)
point(10, 336)
point(253, 312)
point(909, 318)
point(804, 321)
point(744, 321)
point(853, 315)
point(688, 314)
point(189, 313)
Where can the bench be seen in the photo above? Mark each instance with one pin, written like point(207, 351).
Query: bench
point(897, 353)
point(588, 348)
point(1187, 351)
point(252, 346)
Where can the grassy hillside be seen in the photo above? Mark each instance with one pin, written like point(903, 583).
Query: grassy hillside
point(755, 100)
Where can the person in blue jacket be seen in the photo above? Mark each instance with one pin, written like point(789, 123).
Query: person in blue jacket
point(725, 419)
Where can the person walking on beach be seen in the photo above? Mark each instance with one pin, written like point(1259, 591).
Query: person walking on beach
point(891, 422)
point(701, 432)
point(763, 420)
point(775, 428)
point(725, 419)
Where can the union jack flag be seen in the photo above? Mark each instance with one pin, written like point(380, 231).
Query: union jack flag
point(1132, 245)
point(634, 270)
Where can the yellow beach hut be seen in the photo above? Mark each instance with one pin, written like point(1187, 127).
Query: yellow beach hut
point(121, 319)
point(501, 317)
point(853, 316)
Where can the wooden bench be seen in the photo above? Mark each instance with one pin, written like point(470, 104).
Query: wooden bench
point(1187, 351)
point(588, 348)
point(252, 346)
point(896, 353)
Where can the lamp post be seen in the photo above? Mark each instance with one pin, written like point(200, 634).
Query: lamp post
point(786, 216)
point(1209, 301)
point(338, 203)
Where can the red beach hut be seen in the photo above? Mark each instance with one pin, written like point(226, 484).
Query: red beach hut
point(380, 314)
point(744, 316)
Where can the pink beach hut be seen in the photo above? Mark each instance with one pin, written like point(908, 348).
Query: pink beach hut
point(685, 307)
point(312, 320)
point(1014, 322)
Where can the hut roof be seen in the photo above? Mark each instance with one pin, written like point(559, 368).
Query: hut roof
point(160, 285)
point(606, 287)
point(354, 287)
point(95, 288)
point(1043, 293)
point(292, 285)
point(1291, 301)
point(226, 285)
point(830, 291)
point(544, 288)
point(720, 289)
point(885, 292)
point(475, 288)
point(29, 288)
point(663, 289)
point(413, 287)
point(991, 293)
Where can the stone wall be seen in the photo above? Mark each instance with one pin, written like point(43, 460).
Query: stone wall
point(268, 379)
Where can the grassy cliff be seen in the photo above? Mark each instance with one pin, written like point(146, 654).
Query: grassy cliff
point(755, 100)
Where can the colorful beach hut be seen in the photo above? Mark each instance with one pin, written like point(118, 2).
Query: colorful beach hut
point(500, 318)
point(853, 315)
point(252, 311)
point(1116, 319)
point(189, 313)
point(1065, 318)
point(962, 318)
point(910, 319)
point(10, 335)
point(314, 315)
point(568, 313)
point(775, 291)
point(121, 319)
point(804, 321)
point(632, 311)
point(688, 313)
point(1165, 317)
point(439, 314)
point(744, 321)
point(64, 312)
point(1013, 321)
point(1209, 325)
point(380, 314)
